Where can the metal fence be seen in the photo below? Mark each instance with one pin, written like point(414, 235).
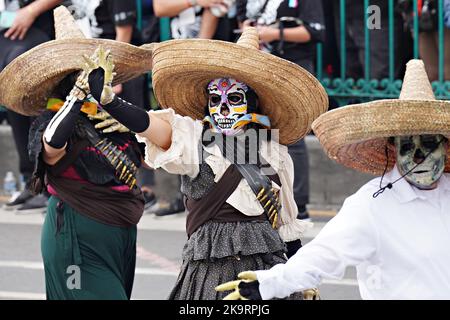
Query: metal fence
point(367, 88)
point(342, 88)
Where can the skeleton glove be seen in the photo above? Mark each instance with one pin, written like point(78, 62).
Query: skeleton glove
point(134, 118)
point(247, 288)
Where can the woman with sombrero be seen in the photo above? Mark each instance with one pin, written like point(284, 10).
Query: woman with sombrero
point(238, 195)
point(395, 229)
point(89, 235)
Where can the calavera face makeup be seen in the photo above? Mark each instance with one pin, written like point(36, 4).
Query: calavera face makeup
point(227, 102)
point(428, 150)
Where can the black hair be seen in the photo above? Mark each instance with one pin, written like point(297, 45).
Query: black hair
point(64, 87)
point(391, 140)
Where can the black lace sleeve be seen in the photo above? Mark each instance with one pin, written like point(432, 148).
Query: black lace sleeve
point(37, 129)
point(35, 148)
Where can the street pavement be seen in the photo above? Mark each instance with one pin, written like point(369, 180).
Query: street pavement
point(160, 242)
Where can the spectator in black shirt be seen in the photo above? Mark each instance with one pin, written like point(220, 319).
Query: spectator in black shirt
point(289, 29)
point(355, 23)
point(116, 20)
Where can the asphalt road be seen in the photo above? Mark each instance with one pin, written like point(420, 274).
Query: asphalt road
point(160, 242)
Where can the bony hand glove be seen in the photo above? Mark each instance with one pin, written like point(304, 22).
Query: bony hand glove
point(311, 294)
point(80, 89)
point(100, 76)
point(247, 288)
point(107, 123)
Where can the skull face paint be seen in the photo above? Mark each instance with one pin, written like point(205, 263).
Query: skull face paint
point(227, 102)
point(428, 150)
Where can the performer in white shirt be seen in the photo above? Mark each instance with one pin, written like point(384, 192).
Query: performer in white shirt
point(396, 228)
point(238, 191)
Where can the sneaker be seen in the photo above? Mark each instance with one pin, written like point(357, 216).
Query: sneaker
point(174, 207)
point(37, 202)
point(18, 198)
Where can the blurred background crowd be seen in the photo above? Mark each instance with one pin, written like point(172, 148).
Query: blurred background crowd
point(357, 48)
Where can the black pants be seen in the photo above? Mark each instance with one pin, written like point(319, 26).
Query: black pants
point(299, 155)
point(379, 40)
point(10, 49)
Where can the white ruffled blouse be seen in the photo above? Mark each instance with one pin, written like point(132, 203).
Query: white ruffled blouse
point(183, 158)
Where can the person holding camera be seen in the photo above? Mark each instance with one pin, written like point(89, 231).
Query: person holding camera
point(394, 229)
point(204, 19)
point(289, 29)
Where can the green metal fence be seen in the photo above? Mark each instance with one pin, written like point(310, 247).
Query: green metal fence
point(367, 88)
point(344, 89)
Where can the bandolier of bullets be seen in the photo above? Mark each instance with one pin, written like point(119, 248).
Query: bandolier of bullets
point(271, 204)
point(126, 170)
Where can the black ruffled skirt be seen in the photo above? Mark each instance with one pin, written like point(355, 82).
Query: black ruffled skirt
point(218, 251)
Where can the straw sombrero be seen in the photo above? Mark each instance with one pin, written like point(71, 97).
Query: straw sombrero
point(27, 82)
point(289, 95)
point(356, 135)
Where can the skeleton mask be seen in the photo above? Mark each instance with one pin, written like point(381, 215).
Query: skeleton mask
point(227, 102)
point(411, 150)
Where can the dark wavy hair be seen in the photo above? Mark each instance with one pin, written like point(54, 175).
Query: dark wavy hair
point(64, 87)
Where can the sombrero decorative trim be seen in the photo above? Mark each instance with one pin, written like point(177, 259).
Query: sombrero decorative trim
point(356, 135)
point(27, 82)
point(289, 95)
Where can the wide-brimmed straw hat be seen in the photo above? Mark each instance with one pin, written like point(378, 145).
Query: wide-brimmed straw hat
point(288, 94)
point(357, 135)
point(27, 82)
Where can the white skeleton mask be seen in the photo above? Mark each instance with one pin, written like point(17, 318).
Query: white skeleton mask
point(411, 150)
point(227, 102)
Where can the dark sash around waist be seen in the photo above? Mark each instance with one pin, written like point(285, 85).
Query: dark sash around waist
point(213, 206)
point(103, 204)
point(100, 203)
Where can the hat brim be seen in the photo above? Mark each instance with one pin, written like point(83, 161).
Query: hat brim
point(27, 82)
point(356, 135)
point(288, 94)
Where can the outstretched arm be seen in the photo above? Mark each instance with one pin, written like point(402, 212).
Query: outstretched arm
point(135, 118)
point(160, 132)
point(348, 239)
point(62, 124)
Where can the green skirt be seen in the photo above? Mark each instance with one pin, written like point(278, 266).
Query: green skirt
point(86, 259)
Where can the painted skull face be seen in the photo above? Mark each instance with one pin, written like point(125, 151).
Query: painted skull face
point(227, 102)
point(411, 150)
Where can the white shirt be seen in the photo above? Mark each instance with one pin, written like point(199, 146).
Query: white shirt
point(399, 243)
point(183, 157)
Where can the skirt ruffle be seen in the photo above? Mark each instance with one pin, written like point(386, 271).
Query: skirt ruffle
point(218, 251)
